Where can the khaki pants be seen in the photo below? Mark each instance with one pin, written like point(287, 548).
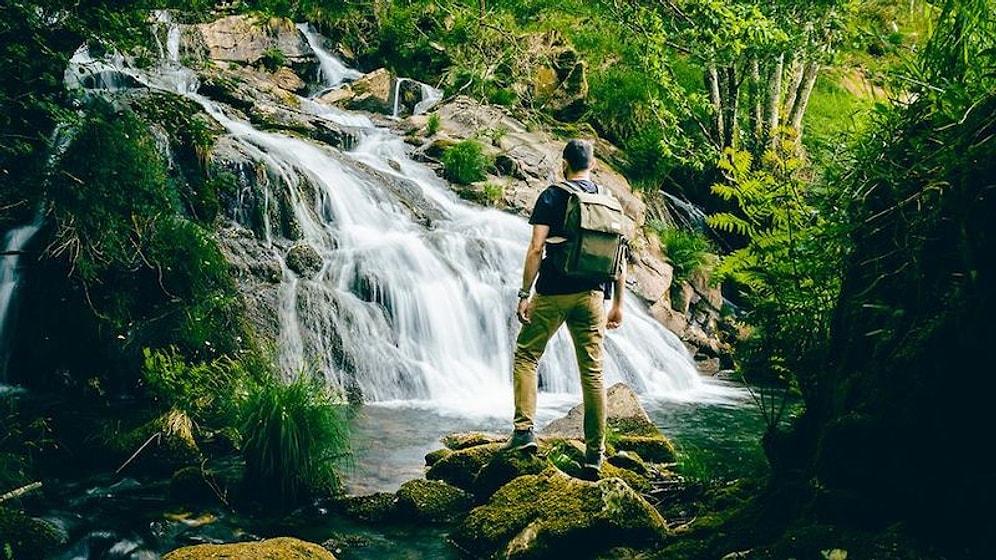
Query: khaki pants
point(584, 314)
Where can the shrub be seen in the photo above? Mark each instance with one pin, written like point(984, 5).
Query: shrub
point(466, 162)
point(293, 436)
point(433, 124)
point(273, 59)
point(493, 194)
point(686, 250)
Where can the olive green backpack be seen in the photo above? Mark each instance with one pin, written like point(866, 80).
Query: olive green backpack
point(595, 235)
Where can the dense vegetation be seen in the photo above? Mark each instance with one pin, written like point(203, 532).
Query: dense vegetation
point(844, 154)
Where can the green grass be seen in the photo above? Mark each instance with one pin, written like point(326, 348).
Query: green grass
point(835, 113)
point(294, 438)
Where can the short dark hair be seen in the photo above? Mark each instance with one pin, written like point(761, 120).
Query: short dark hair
point(579, 154)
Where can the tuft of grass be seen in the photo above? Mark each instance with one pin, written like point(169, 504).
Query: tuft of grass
point(465, 162)
point(293, 438)
point(433, 124)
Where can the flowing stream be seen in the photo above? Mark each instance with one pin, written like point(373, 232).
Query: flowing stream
point(417, 317)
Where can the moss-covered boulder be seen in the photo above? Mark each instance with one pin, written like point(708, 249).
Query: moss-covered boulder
point(432, 501)
point(656, 449)
point(433, 457)
point(28, 538)
point(551, 515)
point(281, 548)
point(463, 440)
point(502, 469)
point(374, 508)
point(460, 468)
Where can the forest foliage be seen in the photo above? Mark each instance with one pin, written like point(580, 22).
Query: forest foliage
point(747, 108)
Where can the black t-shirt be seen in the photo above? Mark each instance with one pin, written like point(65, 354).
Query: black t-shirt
point(549, 210)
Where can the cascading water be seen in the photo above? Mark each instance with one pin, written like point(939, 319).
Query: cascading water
point(15, 242)
point(331, 71)
point(402, 312)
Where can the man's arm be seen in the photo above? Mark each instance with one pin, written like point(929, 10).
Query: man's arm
point(530, 269)
point(615, 316)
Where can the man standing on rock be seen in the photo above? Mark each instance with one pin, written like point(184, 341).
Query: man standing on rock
point(559, 300)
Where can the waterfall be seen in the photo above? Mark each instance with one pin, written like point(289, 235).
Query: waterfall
point(430, 96)
point(331, 72)
point(14, 245)
point(411, 313)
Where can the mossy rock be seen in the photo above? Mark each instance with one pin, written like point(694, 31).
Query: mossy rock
point(433, 457)
point(460, 468)
point(29, 538)
point(633, 480)
point(280, 548)
point(374, 508)
point(553, 515)
point(433, 501)
point(656, 449)
point(503, 468)
point(463, 440)
point(629, 460)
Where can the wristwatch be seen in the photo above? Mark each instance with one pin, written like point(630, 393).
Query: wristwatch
point(524, 294)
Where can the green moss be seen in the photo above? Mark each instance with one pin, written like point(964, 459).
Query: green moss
point(281, 548)
point(28, 538)
point(461, 467)
point(563, 514)
point(433, 501)
point(655, 449)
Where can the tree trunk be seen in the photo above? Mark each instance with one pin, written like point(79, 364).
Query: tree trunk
point(756, 116)
point(802, 99)
point(774, 99)
point(731, 102)
point(712, 84)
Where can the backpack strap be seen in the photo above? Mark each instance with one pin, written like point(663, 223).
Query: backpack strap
point(572, 187)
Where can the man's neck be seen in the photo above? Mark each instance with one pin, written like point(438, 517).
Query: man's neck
point(579, 176)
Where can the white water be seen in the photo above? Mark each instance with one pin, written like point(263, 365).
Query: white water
point(331, 71)
point(15, 241)
point(409, 314)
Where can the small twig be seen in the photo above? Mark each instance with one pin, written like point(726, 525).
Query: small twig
point(18, 492)
point(140, 449)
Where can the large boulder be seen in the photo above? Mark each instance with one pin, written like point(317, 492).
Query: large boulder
point(280, 548)
point(624, 415)
point(551, 515)
point(432, 501)
point(245, 39)
point(460, 468)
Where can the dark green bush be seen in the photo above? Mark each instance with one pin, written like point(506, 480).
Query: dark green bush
point(688, 251)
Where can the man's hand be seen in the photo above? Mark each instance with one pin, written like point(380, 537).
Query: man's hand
point(614, 318)
point(522, 312)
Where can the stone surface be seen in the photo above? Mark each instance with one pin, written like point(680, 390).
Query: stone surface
point(552, 515)
point(432, 501)
point(280, 548)
point(245, 39)
point(624, 414)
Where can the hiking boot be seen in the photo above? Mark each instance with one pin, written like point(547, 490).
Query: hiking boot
point(592, 466)
point(521, 440)
point(590, 472)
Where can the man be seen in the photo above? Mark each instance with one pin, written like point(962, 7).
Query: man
point(560, 300)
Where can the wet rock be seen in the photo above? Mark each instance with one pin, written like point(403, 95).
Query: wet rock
point(503, 468)
point(433, 457)
point(29, 538)
point(624, 414)
point(374, 508)
point(461, 467)
point(656, 449)
point(280, 548)
point(304, 260)
point(432, 501)
point(553, 515)
point(458, 441)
